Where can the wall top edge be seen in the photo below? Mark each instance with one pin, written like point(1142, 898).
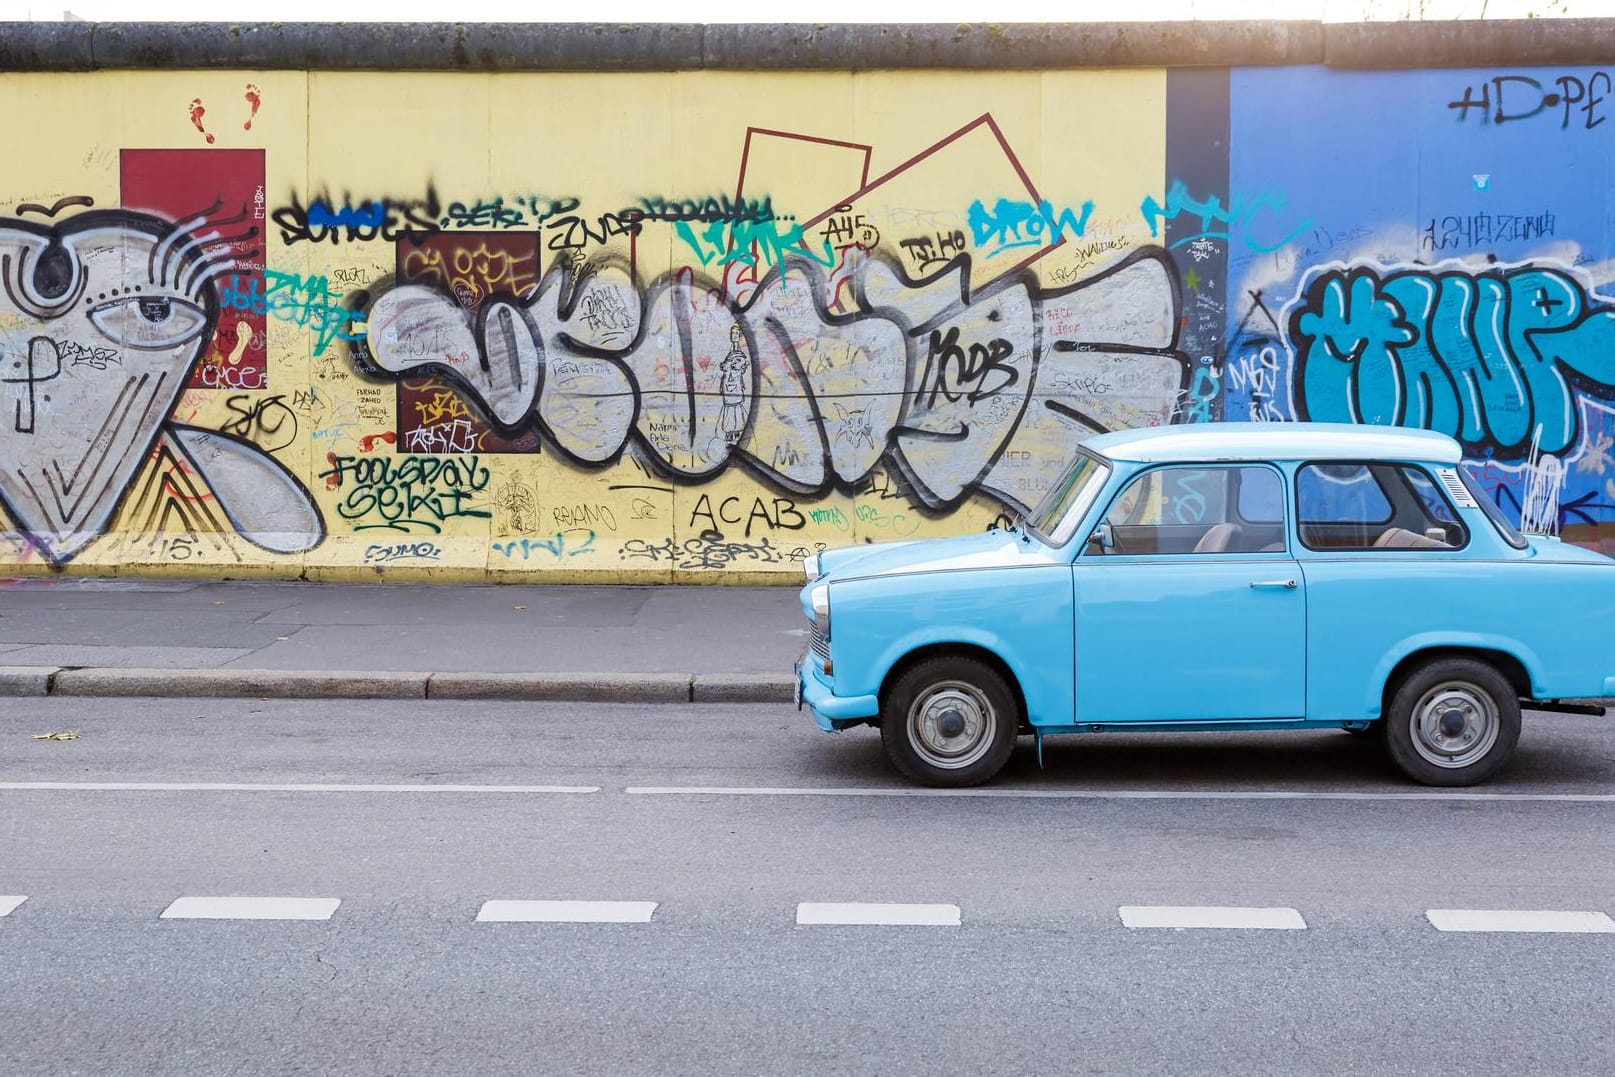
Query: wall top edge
point(488, 47)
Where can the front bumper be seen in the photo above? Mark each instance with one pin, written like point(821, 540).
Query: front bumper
point(831, 713)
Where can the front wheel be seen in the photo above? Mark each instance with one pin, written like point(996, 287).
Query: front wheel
point(1454, 721)
point(949, 722)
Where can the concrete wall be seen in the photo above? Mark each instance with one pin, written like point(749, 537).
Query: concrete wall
point(694, 313)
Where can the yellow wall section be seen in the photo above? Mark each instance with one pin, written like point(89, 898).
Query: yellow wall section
point(863, 349)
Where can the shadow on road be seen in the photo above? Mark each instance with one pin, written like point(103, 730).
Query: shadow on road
point(1554, 755)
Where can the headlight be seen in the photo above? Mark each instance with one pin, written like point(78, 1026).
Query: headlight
point(820, 597)
point(810, 567)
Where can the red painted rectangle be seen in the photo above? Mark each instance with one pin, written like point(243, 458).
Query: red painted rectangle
point(223, 191)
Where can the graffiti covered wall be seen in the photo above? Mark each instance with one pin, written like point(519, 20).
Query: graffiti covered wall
point(695, 325)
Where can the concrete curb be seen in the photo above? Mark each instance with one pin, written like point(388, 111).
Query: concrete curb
point(263, 683)
point(34, 681)
point(742, 688)
point(578, 687)
point(26, 680)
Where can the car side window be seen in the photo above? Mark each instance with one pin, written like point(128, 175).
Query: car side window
point(1369, 506)
point(1433, 500)
point(1194, 510)
point(1340, 494)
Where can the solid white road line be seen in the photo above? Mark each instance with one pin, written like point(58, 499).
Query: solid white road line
point(828, 791)
point(1101, 794)
point(1212, 916)
point(9, 903)
point(1536, 920)
point(251, 908)
point(262, 787)
point(566, 912)
point(882, 914)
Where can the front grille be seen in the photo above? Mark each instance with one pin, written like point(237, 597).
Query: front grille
point(821, 646)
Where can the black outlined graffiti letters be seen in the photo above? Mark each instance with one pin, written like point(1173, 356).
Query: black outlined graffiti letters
point(958, 390)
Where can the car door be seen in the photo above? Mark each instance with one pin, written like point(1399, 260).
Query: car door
point(1189, 603)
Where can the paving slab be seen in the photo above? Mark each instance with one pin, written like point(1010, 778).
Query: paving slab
point(67, 654)
point(437, 606)
point(77, 584)
point(137, 626)
point(594, 642)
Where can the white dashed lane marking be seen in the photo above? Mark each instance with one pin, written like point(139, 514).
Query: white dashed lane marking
point(1212, 916)
point(251, 908)
point(876, 914)
point(885, 914)
point(566, 912)
point(1533, 920)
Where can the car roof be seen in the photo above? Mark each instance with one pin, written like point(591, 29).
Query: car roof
point(1275, 441)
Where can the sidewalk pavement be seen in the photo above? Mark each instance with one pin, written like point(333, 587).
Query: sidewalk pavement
point(117, 637)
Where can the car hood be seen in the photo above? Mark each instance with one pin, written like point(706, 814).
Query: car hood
point(994, 549)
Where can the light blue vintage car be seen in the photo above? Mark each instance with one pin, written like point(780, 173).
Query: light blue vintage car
point(1218, 577)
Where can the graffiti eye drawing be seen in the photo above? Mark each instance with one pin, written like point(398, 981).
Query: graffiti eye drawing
point(85, 410)
point(150, 323)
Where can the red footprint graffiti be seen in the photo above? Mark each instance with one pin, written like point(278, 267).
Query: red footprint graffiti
point(255, 100)
point(197, 112)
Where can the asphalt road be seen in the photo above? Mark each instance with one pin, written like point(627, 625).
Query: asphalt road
point(729, 819)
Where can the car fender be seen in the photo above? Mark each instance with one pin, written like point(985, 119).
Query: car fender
point(1023, 616)
point(1426, 641)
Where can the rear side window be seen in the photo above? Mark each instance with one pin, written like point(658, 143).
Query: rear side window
point(1370, 506)
point(1435, 503)
point(1340, 494)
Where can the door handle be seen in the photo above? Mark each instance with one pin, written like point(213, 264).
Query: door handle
point(1264, 585)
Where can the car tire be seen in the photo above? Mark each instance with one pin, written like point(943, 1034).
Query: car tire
point(949, 722)
point(1453, 721)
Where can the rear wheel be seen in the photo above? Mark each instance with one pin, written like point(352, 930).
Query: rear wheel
point(949, 721)
point(1453, 721)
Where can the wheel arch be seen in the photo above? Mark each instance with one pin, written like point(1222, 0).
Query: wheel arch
point(1508, 665)
point(928, 651)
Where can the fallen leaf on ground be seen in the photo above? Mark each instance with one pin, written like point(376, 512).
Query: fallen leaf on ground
point(71, 734)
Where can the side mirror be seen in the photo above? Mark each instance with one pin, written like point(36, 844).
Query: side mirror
point(1103, 537)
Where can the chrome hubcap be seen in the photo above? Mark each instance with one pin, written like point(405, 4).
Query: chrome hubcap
point(951, 725)
point(1455, 725)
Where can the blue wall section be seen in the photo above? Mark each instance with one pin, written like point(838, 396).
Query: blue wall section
point(1450, 240)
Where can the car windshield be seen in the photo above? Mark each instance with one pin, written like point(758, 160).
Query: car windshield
point(1076, 487)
